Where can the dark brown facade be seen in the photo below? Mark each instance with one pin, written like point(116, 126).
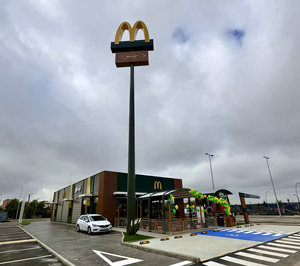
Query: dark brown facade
point(104, 193)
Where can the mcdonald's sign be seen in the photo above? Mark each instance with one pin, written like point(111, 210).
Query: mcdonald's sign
point(133, 51)
point(157, 185)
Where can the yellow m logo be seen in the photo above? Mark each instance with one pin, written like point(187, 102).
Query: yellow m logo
point(157, 185)
point(139, 25)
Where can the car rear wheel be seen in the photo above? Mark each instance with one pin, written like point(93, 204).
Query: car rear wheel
point(89, 230)
point(77, 228)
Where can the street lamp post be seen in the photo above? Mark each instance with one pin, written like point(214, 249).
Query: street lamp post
point(19, 203)
point(27, 210)
point(266, 196)
point(211, 171)
point(130, 54)
point(267, 158)
point(298, 183)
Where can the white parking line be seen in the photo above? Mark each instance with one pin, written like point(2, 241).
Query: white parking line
point(242, 262)
point(277, 249)
point(212, 263)
point(33, 258)
point(283, 246)
point(257, 233)
point(268, 252)
point(288, 242)
point(225, 230)
point(249, 232)
point(17, 250)
point(257, 257)
point(278, 235)
point(186, 262)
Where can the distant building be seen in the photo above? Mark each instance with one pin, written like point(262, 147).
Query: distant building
point(104, 193)
point(5, 203)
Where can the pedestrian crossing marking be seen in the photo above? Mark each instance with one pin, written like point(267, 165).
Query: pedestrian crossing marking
point(293, 239)
point(242, 262)
point(267, 234)
point(282, 245)
point(277, 249)
point(245, 234)
point(276, 254)
point(288, 242)
point(212, 263)
point(257, 257)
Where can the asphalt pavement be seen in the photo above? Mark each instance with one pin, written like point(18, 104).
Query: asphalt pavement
point(272, 219)
point(100, 249)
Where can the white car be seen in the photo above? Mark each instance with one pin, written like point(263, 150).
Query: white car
point(93, 223)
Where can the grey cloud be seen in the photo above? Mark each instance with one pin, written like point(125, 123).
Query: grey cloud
point(64, 105)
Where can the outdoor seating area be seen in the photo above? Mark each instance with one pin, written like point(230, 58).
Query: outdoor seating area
point(158, 214)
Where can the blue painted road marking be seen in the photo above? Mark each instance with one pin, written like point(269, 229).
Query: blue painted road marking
point(245, 235)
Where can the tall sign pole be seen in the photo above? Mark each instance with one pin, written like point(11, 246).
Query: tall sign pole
point(130, 54)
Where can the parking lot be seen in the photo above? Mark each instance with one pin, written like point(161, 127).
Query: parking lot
point(100, 249)
point(18, 248)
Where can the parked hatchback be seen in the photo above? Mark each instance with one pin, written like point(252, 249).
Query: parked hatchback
point(93, 223)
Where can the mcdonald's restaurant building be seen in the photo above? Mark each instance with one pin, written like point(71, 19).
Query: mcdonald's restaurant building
point(105, 193)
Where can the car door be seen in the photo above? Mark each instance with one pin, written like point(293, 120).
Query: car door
point(82, 223)
point(85, 222)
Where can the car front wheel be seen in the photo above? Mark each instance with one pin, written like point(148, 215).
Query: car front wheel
point(77, 228)
point(89, 230)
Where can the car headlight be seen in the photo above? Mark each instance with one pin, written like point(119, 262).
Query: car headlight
point(95, 225)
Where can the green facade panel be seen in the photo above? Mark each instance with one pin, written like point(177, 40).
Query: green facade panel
point(146, 183)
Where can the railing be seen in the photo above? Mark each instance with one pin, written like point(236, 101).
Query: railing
point(178, 225)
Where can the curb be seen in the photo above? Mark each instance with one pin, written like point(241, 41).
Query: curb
point(161, 252)
point(54, 253)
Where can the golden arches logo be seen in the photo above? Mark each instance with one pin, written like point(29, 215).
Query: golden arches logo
point(139, 25)
point(157, 185)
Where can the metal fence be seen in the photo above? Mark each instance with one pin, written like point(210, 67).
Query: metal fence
point(175, 226)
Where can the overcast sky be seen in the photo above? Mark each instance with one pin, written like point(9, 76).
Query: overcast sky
point(223, 78)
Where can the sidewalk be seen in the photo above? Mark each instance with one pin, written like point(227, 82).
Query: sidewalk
point(203, 247)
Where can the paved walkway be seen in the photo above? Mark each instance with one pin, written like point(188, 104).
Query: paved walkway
point(205, 247)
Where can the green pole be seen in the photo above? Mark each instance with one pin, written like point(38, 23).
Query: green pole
point(131, 199)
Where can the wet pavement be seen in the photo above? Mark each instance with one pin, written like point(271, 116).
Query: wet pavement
point(18, 248)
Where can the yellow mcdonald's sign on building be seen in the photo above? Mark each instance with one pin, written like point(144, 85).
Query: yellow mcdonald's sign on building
point(157, 185)
point(139, 25)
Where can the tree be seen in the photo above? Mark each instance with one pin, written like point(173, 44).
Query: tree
point(11, 208)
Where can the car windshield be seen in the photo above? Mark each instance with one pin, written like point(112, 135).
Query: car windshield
point(97, 218)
